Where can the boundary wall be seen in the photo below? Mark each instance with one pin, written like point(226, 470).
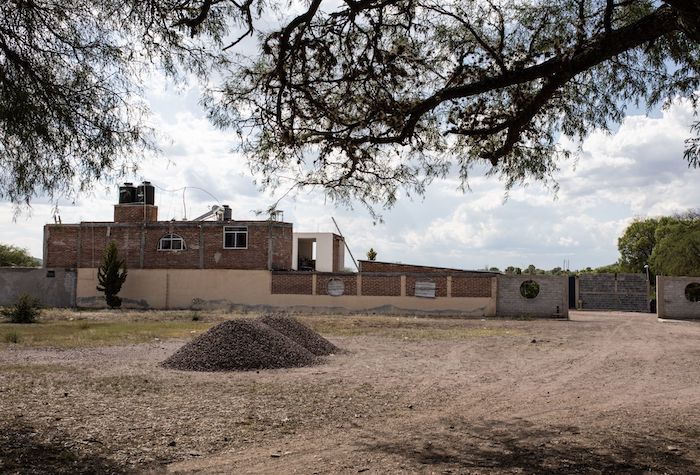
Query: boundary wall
point(551, 301)
point(298, 291)
point(671, 301)
point(623, 292)
point(52, 287)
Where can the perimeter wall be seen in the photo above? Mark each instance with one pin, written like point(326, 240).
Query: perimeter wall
point(671, 299)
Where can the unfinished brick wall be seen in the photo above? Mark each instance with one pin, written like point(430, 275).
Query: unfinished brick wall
point(349, 283)
point(376, 266)
point(61, 242)
point(463, 286)
point(383, 285)
point(135, 213)
point(83, 245)
point(440, 284)
point(292, 283)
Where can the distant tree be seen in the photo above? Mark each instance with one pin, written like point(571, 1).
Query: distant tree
point(677, 250)
point(637, 244)
point(556, 271)
point(16, 256)
point(608, 269)
point(518, 271)
point(494, 269)
point(111, 275)
point(372, 254)
point(510, 270)
point(531, 269)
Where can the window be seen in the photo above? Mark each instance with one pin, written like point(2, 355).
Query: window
point(235, 237)
point(171, 242)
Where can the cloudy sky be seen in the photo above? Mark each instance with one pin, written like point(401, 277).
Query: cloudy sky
point(638, 171)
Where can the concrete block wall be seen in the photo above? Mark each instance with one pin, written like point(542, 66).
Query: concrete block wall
point(671, 301)
point(53, 287)
point(624, 292)
point(551, 301)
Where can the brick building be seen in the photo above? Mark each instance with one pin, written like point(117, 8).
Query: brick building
point(146, 243)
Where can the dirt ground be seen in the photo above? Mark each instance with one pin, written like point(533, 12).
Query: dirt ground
point(601, 393)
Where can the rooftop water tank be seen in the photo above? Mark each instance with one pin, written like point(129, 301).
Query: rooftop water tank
point(127, 193)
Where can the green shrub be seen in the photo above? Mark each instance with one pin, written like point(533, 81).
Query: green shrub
point(24, 310)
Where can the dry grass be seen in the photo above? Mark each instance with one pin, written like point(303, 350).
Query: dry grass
point(64, 328)
point(83, 333)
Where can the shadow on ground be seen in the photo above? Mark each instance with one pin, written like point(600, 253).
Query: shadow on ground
point(506, 447)
point(25, 451)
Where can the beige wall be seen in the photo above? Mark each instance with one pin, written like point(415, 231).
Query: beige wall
point(211, 288)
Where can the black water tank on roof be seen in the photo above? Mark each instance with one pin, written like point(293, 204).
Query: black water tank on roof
point(145, 193)
point(227, 213)
point(127, 193)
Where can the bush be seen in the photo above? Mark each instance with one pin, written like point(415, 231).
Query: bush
point(25, 310)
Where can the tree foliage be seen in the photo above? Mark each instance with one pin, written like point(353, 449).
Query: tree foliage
point(371, 254)
point(677, 251)
point(669, 245)
point(361, 98)
point(111, 275)
point(16, 256)
point(637, 244)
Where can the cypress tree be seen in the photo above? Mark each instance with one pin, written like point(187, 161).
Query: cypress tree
point(111, 275)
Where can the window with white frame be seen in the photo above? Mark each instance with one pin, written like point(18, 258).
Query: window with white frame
point(171, 242)
point(235, 237)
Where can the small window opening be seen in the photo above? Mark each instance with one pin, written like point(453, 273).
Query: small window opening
point(171, 242)
point(235, 237)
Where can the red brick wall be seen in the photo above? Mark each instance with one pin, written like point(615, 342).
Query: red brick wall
point(375, 266)
point(135, 213)
point(65, 249)
point(385, 285)
point(254, 257)
point(94, 240)
point(471, 286)
point(61, 245)
point(440, 284)
point(282, 248)
point(292, 283)
point(349, 281)
point(160, 259)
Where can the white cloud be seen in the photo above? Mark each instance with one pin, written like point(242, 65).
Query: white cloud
point(637, 171)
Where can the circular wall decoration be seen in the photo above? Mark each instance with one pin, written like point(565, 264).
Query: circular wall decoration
point(335, 287)
point(692, 292)
point(529, 289)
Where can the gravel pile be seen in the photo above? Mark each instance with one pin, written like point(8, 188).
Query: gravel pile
point(300, 333)
point(240, 345)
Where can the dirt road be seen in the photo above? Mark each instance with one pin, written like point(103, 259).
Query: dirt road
point(602, 393)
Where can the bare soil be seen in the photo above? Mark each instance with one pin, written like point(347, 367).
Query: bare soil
point(602, 393)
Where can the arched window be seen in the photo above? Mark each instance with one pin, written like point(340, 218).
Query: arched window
point(171, 242)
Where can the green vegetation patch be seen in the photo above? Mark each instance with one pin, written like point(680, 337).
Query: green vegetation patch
point(76, 334)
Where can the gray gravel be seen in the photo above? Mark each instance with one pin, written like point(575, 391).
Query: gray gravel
point(240, 345)
point(300, 333)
